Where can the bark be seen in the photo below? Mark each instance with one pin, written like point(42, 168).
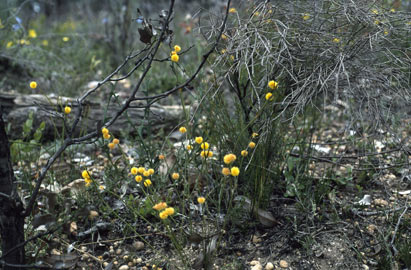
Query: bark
point(11, 221)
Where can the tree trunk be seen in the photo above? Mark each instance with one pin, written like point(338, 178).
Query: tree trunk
point(11, 221)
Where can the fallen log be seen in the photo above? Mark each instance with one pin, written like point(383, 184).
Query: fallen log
point(49, 109)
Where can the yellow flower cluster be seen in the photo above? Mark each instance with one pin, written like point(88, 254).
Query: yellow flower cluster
point(140, 172)
point(160, 206)
point(169, 211)
point(32, 33)
point(106, 133)
point(113, 144)
point(183, 130)
point(67, 109)
point(229, 158)
point(174, 54)
point(234, 171)
point(272, 85)
point(175, 176)
point(201, 200)
point(86, 177)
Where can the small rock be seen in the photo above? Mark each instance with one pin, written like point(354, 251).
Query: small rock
point(283, 264)
point(138, 245)
point(139, 260)
point(126, 257)
point(256, 239)
point(365, 267)
point(105, 264)
point(131, 264)
point(371, 228)
point(124, 267)
point(380, 202)
point(119, 251)
point(269, 266)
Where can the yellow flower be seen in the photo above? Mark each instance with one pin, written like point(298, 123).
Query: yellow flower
point(226, 171)
point(150, 171)
point(206, 154)
point(189, 147)
point(205, 145)
point(161, 157)
point(232, 57)
point(163, 215)
point(257, 13)
point(173, 53)
point(232, 10)
point(65, 39)
point(9, 44)
point(183, 130)
point(45, 43)
point(32, 33)
point(104, 131)
point(224, 37)
point(33, 85)
point(147, 183)
point(85, 174)
point(146, 173)
point(244, 153)
point(272, 84)
point(201, 200)
point(229, 158)
point(376, 22)
point(269, 96)
point(170, 211)
point(235, 171)
point(106, 136)
point(251, 145)
point(336, 40)
point(175, 176)
point(306, 16)
point(375, 11)
point(88, 181)
point(392, 10)
point(133, 171)
point(223, 51)
point(177, 48)
point(111, 145)
point(199, 140)
point(160, 206)
point(141, 170)
point(116, 141)
point(386, 32)
point(101, 187)
point(175, 58)
point(254, 135)
point(67, 110)
point(138, 178)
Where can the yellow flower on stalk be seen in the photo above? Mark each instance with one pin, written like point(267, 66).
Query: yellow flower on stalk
point(189, 147)
point(306, 16)
point(45, 43)
point(206, 154)
point(175, 58)
point(163, 215)
point(101, 187)
point(205, 145)
point(386, 32)
point(104, 131)
point(269, 96)
point(226, 171)
point(175, 176)
point(65, 39)
point(138, 178)
point(32, 33)
point(161, 157)
point(141, 170)
point(85, 174)
point(232, 57)
point(88, 181)
point(273, 84)
point(235, 171)
point(229, 158)
point(244, 153)
point(182, 130)
point(146, 173)
point(177, 48)
point(106, 136)
point(150, 171)
point(33, 85)
point(232, 10)
point(375, 11)
point(147, 183)
point(199, 140)
point(392, 10)
point(251, 145)
point(116, 141)
point(67, 110)
point(170, 211)
point(173, 53)
point(224, 37)
point(111, 146)
point(160, 206)
point(223, 51)
point(376, 22)
point(336, 40)
point(133, 171)
point(254, 135)
point(9, 44)
point(201, 200)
